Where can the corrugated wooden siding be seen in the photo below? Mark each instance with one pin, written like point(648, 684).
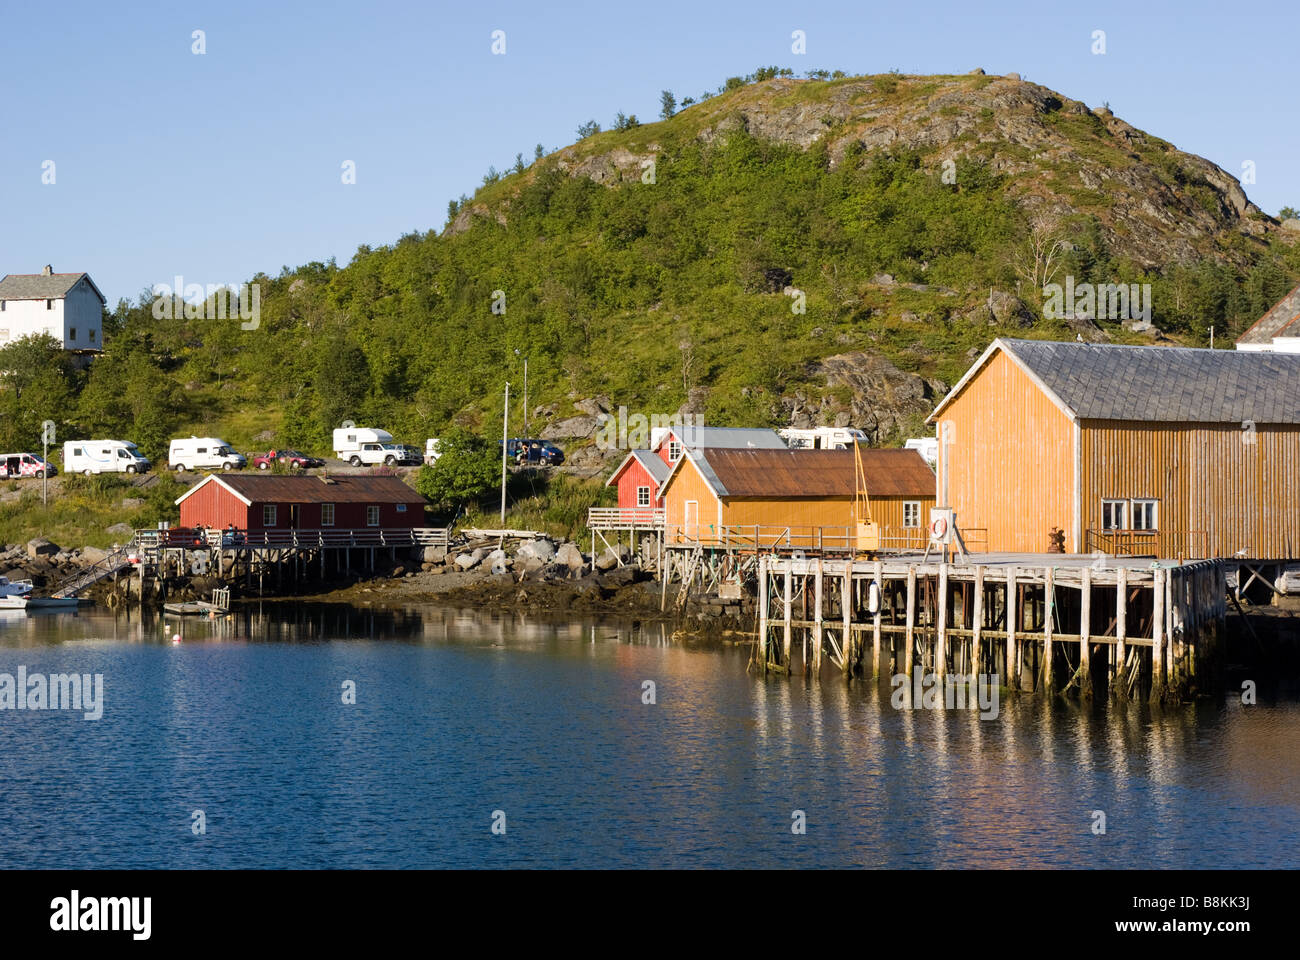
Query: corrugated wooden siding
point(1243, 496)
point(636, 476)
point(1010, 461)
point(687, 484)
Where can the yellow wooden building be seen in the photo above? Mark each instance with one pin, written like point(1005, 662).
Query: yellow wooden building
point(1167, 451)
point(799, 498)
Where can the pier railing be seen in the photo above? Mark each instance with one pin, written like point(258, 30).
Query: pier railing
point(625, 518)
point(786, 538)
point(292, 539)
point(1183, 544)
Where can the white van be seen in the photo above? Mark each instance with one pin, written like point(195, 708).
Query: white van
point(822, 438)
point(358, 445)
point(103, 456)
point(927, 447)
point(432, 451)
point(203, 453)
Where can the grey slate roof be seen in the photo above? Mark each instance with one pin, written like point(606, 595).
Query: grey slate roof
point(1166, 384)
point(41, 286)
point(1280, 321)
point(729, 437)
point(653, 464)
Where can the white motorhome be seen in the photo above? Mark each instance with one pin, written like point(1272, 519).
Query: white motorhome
point(432, 451)
point(103, 456)
point(822, 438)
point(358, 445)
point(203, 453)
point(927, 447)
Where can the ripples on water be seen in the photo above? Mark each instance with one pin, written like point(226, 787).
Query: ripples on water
point(461, 714)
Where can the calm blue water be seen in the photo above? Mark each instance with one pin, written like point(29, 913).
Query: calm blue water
point(459, 715)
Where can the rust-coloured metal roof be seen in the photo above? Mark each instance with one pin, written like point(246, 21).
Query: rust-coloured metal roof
point(797, 474)
point(347, 488)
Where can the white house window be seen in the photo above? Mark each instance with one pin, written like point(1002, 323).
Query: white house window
point(911, 513)
point(643, 496)
point(372, 516)
point(327, 514)
point(2, 306)
point(268, 515)
point(49, 304)
point(674, 451)
point(1144, 515)
point(4, 334)
point(1114, 514)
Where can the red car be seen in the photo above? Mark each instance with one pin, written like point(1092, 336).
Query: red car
point(289, 458)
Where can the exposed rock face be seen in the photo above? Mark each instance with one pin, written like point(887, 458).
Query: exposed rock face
point(884, 398)
point(1155, 204)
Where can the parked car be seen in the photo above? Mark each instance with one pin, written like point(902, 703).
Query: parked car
point(198, 453)
point(25, 465)
point(432, 451)
point(103, 456)
point(522, 450)
point(409, 456)
point(292, 459)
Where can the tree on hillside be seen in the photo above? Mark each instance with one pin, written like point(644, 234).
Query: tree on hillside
point(590, 128)
point(342, 380)
point(1288, 213)
point(467, 469)
point(668, 104)
point(38, 384)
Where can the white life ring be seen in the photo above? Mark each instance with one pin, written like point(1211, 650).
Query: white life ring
point(939, 528)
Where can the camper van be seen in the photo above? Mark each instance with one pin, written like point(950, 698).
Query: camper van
point(365, 445)
point(432, 451)
point(25, 465)
point(103, 456)
point(204, 453)
point(822, 438)
point(927, 447)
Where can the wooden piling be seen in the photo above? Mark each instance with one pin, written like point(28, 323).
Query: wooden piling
point(788, 636)
point(875, 620)
point(941, 628)
point(909, 631)
point(1011, 628)
point(1119, 685)
point(763, 654)
point(1085, 633)
point(847, 644)
point(977, 621)
point(817, 620)
point(1158, 637)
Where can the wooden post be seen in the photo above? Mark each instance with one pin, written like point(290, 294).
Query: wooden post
point(977, 622)
point(1158, 637)
point(789, 614)
point(1172, 603)
point(1121, 631)
point(817, 620)
point(941, 628)
point(846, 609)
point(762, 613)
point(1049, 605)
point(1085, 633)
point(1011, 627)
point(875, 620)
point(908, 645)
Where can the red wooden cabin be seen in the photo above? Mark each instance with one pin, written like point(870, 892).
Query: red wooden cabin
point(269, 502)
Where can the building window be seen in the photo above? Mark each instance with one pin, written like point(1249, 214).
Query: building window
point(72, 334)
point(49, 304)
point(4, 334)
point(327, 514)
point(643, 496)
point(2, 306)
point(268, 515)
point(674, 451)
point(92, 336)
point(372, 516)
point(1144, 515)
point(401, 508)
point(911, 513)
point(1114, 514)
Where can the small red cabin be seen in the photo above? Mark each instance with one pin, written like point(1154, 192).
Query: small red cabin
point(271, 502)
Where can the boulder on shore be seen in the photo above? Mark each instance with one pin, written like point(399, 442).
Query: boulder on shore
point(570, 556)
point(40, 547)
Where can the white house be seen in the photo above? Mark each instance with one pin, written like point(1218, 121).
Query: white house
point(67, 306)
point(1277, 331)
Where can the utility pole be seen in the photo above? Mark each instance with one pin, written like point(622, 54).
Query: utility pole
point(1211, 338)
point(47, 437)
point(505, 446)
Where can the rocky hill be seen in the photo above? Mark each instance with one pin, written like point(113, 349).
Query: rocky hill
point(789, 250)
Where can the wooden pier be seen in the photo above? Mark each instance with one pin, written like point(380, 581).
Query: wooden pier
point(1039, 622)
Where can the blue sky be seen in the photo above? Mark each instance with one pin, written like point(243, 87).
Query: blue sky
point(218, 166)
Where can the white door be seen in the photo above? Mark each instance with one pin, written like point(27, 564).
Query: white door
point(691, 522)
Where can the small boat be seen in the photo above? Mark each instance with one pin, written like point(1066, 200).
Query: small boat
point(52, 603)
point(13, 603)
point(15, 588)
